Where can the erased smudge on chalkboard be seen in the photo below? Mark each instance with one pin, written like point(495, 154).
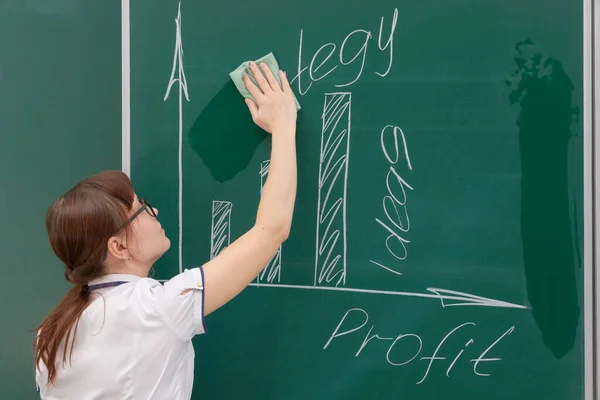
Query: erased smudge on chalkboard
point(551, 252)
point(224, 135)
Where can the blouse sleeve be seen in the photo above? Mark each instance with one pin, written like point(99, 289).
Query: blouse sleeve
point(181, 303)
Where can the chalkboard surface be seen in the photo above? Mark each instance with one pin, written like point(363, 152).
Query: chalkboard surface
point(60, 122)
point(436, 249)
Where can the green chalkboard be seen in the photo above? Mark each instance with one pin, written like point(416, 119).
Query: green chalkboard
point(436, 249)
point(60, 122)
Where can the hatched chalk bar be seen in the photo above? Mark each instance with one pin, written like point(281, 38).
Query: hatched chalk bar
point(220, 233)
point(330, 258)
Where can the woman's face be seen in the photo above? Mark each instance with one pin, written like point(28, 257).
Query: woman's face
point(147, 242)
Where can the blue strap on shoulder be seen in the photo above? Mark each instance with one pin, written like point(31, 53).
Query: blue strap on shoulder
point(105, 285)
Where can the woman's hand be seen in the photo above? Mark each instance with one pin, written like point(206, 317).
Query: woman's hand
point(275, 107)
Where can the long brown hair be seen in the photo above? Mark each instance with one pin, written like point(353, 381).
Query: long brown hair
point(79, 225)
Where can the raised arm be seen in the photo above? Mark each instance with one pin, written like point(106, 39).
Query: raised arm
point(235, 267)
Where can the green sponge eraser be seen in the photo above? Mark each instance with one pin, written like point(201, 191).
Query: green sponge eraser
point(238, 73)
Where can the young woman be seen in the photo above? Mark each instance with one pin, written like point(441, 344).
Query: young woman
point(119, 334)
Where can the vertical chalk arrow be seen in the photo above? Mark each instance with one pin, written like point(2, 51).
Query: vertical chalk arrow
point(182, 83)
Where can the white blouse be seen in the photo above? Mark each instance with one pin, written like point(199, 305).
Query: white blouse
point(133, 342)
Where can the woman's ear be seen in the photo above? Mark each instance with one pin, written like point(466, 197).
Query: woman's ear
point(117, 247)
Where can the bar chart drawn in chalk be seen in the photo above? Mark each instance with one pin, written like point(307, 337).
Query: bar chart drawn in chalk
point(330, 261)
point(331, 229)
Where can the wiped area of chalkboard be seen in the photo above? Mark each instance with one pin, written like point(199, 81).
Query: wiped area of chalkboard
point(436, 249)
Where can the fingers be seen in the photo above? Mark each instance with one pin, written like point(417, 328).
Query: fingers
point(259, 77)
point(254, 91)
point(270, 77)
point(285, 84)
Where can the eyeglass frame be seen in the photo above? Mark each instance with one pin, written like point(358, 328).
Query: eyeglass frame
point(145, 206)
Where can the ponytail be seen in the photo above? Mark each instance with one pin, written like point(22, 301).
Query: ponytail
point(60, 324)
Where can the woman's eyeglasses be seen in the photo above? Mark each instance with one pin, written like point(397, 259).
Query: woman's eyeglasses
point(145, 207)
